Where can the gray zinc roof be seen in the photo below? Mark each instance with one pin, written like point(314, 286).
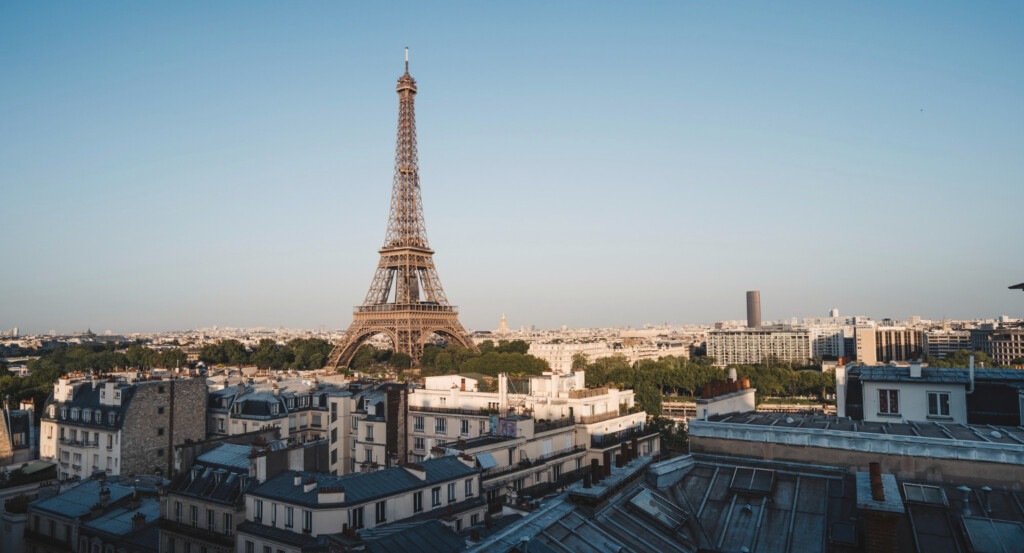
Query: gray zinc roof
point(227, 455)
point(119, 521)
point(79, 500)
point(363, 487)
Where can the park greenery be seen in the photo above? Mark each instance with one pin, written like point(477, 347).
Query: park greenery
point(493, 358)
point(299, 354)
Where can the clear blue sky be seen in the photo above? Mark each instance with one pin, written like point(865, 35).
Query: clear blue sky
point(171, 164)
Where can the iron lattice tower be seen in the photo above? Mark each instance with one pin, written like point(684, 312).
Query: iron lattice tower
point(405, 301)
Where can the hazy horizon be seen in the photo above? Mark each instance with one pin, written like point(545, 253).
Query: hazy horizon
point(167, 166)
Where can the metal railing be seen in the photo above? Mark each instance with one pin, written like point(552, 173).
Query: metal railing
point(482, 412)
point(591, 419)
point(552, 424)
point(388, 307)
point(615, 438)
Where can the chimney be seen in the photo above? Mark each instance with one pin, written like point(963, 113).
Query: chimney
point(310, 485)
point(138, 522)
point(635, 445)
point(586, 479)
point(732, 375)
point(915, 368)
point(624, 453)
point(298, 478)
point(596, 471)
point(607, 463)
point(462, 386)
point(879, 502)
point(104, 495)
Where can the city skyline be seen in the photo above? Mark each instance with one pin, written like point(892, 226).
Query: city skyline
point(165, 171)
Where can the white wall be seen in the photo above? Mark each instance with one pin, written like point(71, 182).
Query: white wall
point(914, 401)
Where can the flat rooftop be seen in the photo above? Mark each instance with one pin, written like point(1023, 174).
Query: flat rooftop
point(1010, 435)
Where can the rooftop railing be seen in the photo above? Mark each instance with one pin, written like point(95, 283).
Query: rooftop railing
point(615, 438)
point(591, 419)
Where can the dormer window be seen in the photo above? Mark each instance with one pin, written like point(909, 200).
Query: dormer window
point(291, 403)
point(86, 415)
point(112, 417)
point(74, 413)
point(273, 409)
point(63, 412)
point(117, 395)
point(52, 410)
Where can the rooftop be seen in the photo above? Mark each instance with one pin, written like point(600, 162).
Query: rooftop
point(78, 501)
point(118, 522)
point(362, 487)
point(232, 456)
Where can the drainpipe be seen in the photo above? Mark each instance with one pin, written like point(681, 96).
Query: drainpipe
point(970, 373)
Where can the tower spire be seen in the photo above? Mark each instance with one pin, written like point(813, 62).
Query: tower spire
point(405, 301)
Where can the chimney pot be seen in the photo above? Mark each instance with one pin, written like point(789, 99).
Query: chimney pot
point(877, 490)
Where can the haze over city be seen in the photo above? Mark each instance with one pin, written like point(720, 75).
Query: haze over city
point(581, 164)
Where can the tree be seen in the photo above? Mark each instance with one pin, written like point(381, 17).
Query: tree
point(1017, 361)
point(649, 397)
point(486, 346)
point(579, 361)
point(400, 360)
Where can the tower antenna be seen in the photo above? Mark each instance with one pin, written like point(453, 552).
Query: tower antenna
point(406, 59)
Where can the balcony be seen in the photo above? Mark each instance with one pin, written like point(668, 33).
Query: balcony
point(481, 412)
point(546, 425)
point(419, 307)
point(583, 394)
point(591, 419)
point(616, 438)
point(531, 463)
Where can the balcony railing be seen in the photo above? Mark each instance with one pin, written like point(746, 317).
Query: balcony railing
point(615, 438)
point(531, 463)
point(591, 419)
point(552, 424)
point(422, 307)
point(583, 394)
point(482, 412)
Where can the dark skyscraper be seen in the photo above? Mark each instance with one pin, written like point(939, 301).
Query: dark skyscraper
point(753, 309)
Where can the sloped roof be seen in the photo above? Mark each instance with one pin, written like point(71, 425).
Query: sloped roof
point(118, 522)
point(363, 487)
point(234, 456)
point(79, 500)
point(423, 537)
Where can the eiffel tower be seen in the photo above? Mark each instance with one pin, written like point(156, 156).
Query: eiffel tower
point(405, 302)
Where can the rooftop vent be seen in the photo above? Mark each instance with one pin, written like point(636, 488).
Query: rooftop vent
point(658, 508)
point(752, 480)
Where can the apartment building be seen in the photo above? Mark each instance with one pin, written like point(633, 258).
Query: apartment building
point(93, 516)
point(367, 427)
point(1003, 345)
point(297, 407)
point(749, 346)
point(18, 442)
point(940, 343)
point(202, 506)
point(115, 427)
point(297, 511)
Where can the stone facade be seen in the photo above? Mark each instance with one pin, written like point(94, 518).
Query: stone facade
point(162, 414)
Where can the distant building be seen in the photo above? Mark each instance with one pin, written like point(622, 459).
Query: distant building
point(753, 309)
point(940, 343)
point(882, 344)
point(750, 346)
point(1003, 345)
point(117, 428)
point(297, 407)
point(17, 435)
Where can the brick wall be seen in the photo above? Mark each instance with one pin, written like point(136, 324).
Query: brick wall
point(162, 414)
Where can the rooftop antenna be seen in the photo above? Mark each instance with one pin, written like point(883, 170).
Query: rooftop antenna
point(406, 59)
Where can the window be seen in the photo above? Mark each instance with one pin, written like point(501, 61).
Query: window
point(556, 471)
point(938, 404)
point(369, 432)
point(250, 547)
point(160, 389)
point(86, 415)
point(307, 521)
point(289, 517)
point(112, 418)
point(464, 427)
point(177, 511)
point(451, 492)
point(469, 487)
point(273, 514)
point(211, 520)
point(417, 502)
point(258, 510)
point(382, 509)
point(888, 402)
point(334, 456)
point(74, 413)
point(417, 424)
point(474, 519)
point(160, 453)
point(159, 410)
point(435, 496)
point(444, 400)
point(440, 425)
point(417, 443)
point(194, 511)
point(316, 420)
point(357, 518)
point(159, 431)
point(334, 435)
point(227, 524)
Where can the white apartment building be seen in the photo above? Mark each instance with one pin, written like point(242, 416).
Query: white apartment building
point(748, 346)
point(294, 510)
